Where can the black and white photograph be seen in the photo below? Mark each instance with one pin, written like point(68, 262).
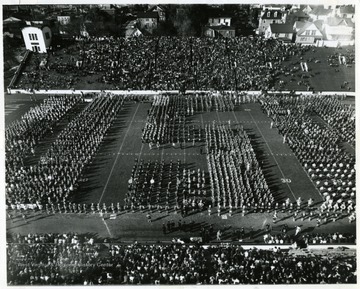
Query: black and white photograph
point(174, 143)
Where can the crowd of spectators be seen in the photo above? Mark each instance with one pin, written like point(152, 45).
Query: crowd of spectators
point(168, 63)
point(68, 259)
point(54, 178)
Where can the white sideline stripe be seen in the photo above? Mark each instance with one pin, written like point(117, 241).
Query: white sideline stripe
point(154, 92)
point(10, 108)
point(237, 122)
point(118, 154)
point(272, 154)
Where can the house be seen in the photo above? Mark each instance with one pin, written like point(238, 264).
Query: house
point(309, 33)
point(63, 19)
point(346, 11)
point(161, 10)
point(281, 7)
point(339, 29)
point(148, 20)
point(321, 13)
point(130, 29)
point(11, 20)
point(307, 8)
point(271, 17)
point(295, 7)
point(219, 21)
point(219, 31)
point(299, 15)
point(37, 38)
point(284, 32)
point(134, 32)
point(12, 27)
point(108, 8)
point(84, 30)
point(298, 25)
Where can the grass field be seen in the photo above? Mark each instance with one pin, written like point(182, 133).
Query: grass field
point(107, 176)
point(323, 77)
point(105, 179)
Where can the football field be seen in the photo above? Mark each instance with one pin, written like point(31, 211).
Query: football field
point(105, 179)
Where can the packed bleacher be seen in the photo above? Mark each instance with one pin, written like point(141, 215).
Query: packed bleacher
point(167, 63)
point(70, 259)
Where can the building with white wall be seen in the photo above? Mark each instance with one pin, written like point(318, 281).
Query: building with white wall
point(37, 39)
point(271, 17)
point(63, 19)
point(219, 20)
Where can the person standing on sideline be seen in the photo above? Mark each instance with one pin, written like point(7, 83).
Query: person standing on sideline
point(275, 217)
point(23, 215)
point(218, 235)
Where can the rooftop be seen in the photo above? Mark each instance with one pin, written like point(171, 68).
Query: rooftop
point(337, 21)
point(281, 28)
point(317, 23)
point(147, 15)
point(299, 13)
point(272, 14)
point(319, 10)
point(221, 16)
point(348, 9)
point(221, 27)
point(299, 24)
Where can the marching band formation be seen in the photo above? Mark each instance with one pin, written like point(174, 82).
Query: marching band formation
point(234, 181)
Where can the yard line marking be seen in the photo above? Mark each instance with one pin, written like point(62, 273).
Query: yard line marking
point(121, 146)
point(235, 117)
point(202, 120)
point(310, 179)
point(107, 228)
point(217, 113)
point(184, 153)
point(273, 155)
point(162, 153)
point(10, 108)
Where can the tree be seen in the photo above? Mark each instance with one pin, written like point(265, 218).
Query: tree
point(99, 23)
